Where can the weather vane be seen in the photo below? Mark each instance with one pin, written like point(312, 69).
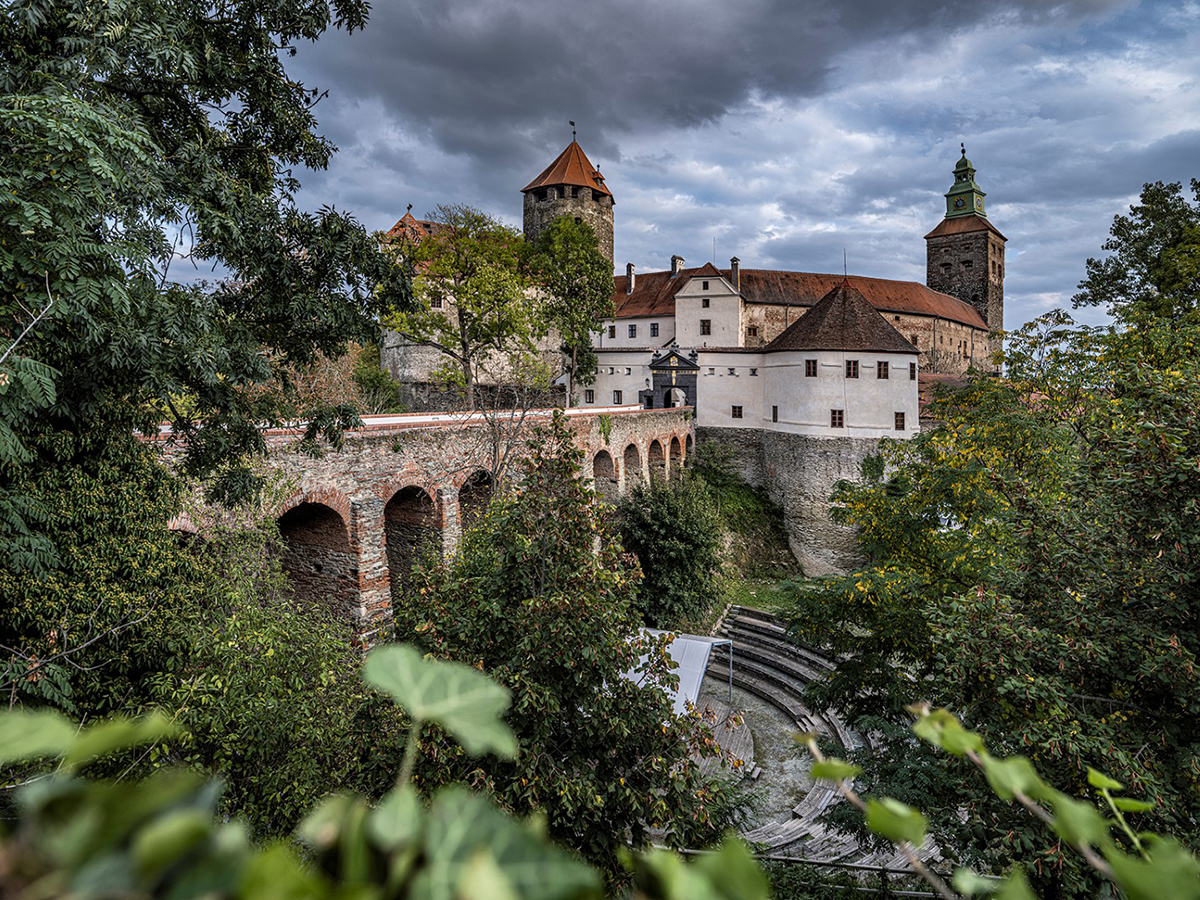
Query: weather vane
point(961, 145)
point(572, 131)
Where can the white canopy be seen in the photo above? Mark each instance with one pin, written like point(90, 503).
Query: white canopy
point(690, 653)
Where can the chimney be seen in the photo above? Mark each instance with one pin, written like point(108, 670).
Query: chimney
point(630, 277)
point(735, 273)
point(676, 265)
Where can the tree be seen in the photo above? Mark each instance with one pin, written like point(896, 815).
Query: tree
point(141, 140)
point(474, 302)
point(531, 600)
point(1154, 269)
point(674, 530)
point(577, 281)
point(1034, 567)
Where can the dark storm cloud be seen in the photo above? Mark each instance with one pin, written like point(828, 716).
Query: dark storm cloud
point(493, 79)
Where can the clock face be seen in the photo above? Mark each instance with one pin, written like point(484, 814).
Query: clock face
point(959, 203)
point(979, 203)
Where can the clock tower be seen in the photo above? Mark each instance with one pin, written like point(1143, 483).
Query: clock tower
point(965, 253)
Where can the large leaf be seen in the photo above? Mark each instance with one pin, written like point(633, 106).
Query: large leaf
point(896, 821)
point(1171, 872)
point(462, 700)
point(32, 734)
point(118, 734)
point(463, 825)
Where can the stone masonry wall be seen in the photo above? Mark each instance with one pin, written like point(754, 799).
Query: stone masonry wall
point(598, 213)
point(799, 472)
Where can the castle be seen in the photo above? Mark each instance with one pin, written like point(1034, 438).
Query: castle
point(797, 374)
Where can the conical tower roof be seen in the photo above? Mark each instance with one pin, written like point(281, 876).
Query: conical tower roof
point(572, 167)
point(842, 320)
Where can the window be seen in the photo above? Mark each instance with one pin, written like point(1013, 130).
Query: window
point(912, 371)
point(897, 318)
point(612, 331)
point(611, 370)
point(653, 329)
point(810, 368)
point(732, 370)
point(435, 303)
point(912, 339)
point(706, 326)
point(628, 370)
point(737, 412)
point(852, 368)
point(774, 413)
point(881, 370)
point(946, 268)
point(837, 418)
point(704, 303)
point(712, 371)
point(753, 373)
point(633, 331)
point(899, 421)
point(704, 287)
point(589, 396)
point(968, 263)
point(616, 398)
point(752, 331)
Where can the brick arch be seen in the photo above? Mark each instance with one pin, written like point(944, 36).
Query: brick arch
point(631, 463)
point(412, 531)
point(318, 553)
point(675, 454)
point(331, 497)
point(605, 475)
point(656, 460)
point(474, 494)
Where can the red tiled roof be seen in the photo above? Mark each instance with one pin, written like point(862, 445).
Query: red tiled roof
point(654, 293)
point(412, 229)
point(842, 320)
point(571, 167)
point(964, 225)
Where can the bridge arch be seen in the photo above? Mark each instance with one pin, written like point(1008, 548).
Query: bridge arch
point(657, 460)
point(412, 532)
point(474, 495)
point(632, 464)
point(676, 455)
point(317, 556)
point(604, 476)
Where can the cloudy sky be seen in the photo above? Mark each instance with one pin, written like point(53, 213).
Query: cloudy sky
point(786, 130)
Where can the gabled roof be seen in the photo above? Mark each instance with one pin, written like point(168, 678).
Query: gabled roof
point(965, 224)
point(680, 361)
point(571, 167)
point(654, 293)
point(842, 320)
point(412, 229)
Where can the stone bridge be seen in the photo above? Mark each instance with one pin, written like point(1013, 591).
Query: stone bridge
point(403, 488)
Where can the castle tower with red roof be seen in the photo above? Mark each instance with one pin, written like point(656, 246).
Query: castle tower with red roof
point(965, 253)
point(570, 186)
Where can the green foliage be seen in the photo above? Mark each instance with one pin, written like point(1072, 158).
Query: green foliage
point(1141, 865)
point(673, 529)
point(473, 303)
point(85, 636)
point(1033, 563)
point(265, 687)
point(1154, 269)
point(380, 391)
point(551, 617)
point(577, 282)
point(160, 838)
point(134, 134)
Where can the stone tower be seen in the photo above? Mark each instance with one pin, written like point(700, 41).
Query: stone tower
point(965, 253)
point(570, 186)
